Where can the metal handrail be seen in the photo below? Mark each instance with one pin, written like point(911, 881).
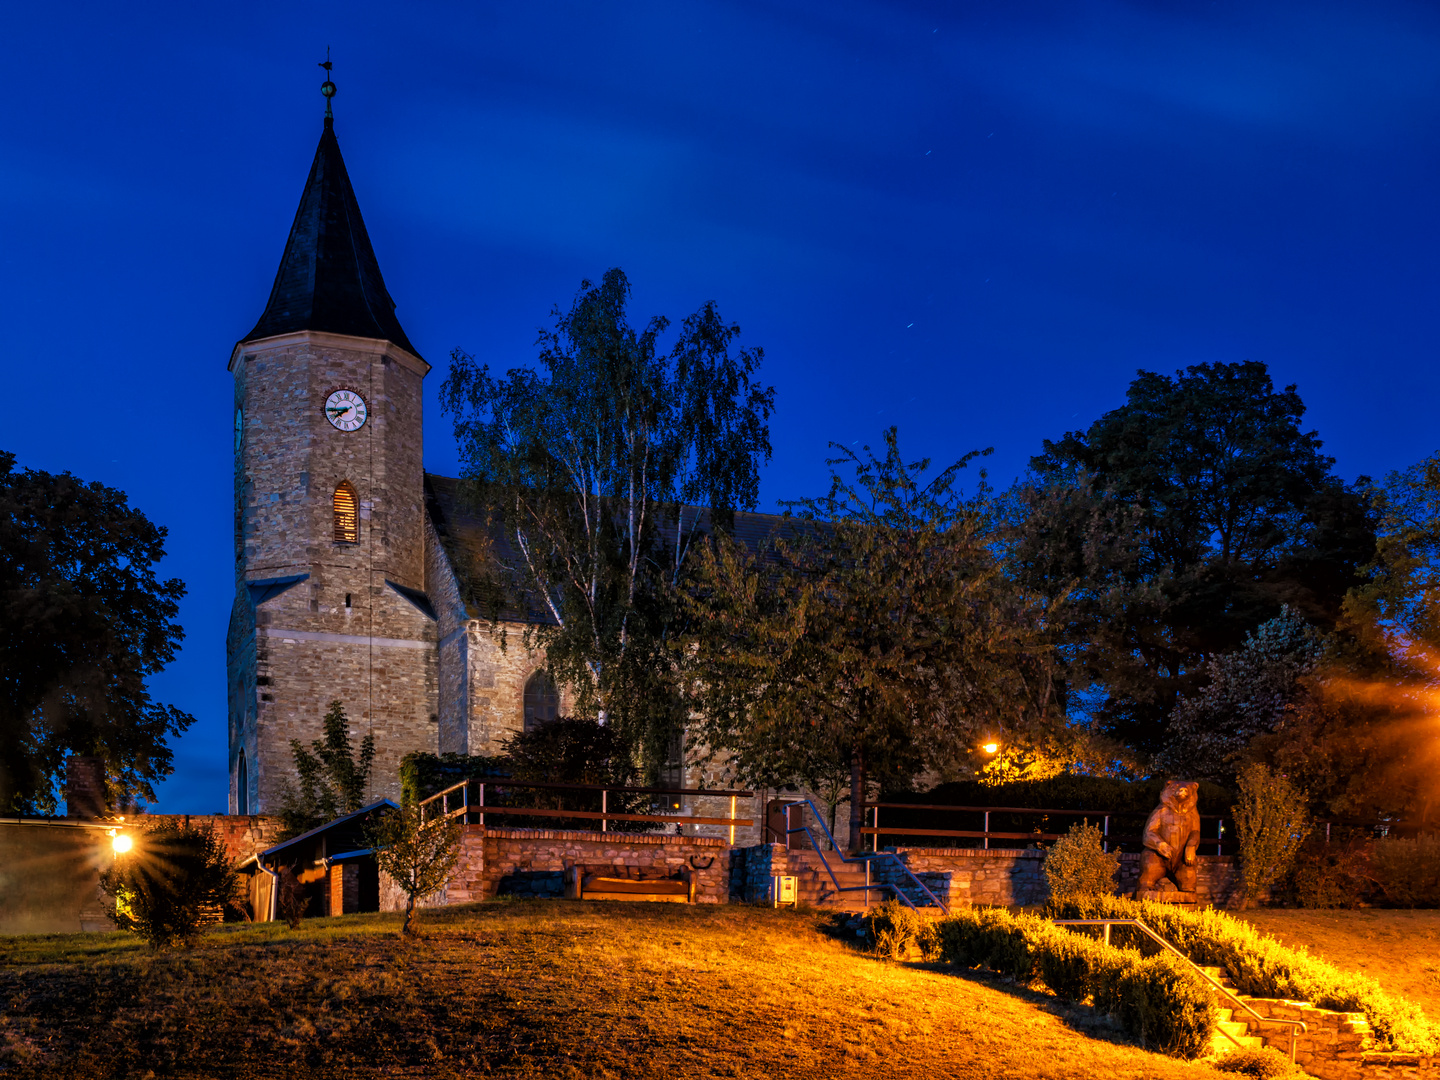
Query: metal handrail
point(1214, 983)
point(866, 859)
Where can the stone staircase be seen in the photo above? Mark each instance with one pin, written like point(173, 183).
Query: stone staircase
point(814, 887)
point(1240, 1029)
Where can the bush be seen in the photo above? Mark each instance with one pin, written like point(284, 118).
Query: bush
point(1157, 1000)
point(1408, 871)
point(1260, 965)
point(423, 775)
point(1078, 865)
point(1271, 822)
point(1174, 1009)
point(1264, 1064)
point(1334, 875)
point(893, 928)
point(171, 884)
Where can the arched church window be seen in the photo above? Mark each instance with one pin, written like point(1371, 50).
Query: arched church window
point(242, 786)
point(542, 700)
point(347, 514)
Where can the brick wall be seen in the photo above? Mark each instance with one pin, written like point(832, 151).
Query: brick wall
point(532, 862)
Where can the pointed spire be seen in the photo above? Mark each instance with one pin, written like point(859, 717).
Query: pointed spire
point(329, 278)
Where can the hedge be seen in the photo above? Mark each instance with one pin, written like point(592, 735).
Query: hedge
point(1261, 966)
point(1156, 999)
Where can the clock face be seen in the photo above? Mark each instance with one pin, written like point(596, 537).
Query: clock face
point(345, 409)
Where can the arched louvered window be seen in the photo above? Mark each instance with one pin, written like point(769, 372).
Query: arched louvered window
point(242, 786)
point(542, 701)
point(347, 514)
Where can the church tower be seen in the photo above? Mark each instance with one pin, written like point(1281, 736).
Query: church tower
point(330, 600)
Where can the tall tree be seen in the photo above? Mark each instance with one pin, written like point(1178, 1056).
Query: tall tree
point(1361, 736)
point(84, 622)
point(878, 630)
point(1226, 509)
point(601, 468)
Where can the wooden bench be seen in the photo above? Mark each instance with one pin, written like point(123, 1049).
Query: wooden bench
point(629, 883)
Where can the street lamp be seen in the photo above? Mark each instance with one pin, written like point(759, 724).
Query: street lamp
point(990, 747)
point(121, 842)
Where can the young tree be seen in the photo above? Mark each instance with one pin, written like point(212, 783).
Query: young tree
point(1232, 511)
point(84, 622)
point(420, 856)
point(602, 468)
point(332, 781)
point(879, 630)
point(172, 882)
point(1271, 823)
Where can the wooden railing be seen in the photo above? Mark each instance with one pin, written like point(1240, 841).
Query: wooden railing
point(1102, 818)
point(466, 800)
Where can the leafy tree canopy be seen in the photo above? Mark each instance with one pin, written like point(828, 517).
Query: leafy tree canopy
point(84, 622)
point(1180, 522)
point(878, 631)
point(600, 468)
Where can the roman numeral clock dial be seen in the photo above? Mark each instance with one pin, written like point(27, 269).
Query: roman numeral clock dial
point(346, 410)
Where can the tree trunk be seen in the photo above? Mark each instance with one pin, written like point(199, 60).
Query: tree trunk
point(857, 800)
point(405, 930)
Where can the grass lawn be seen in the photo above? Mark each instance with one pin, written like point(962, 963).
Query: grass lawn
point(1398, 949)
point(553, 988)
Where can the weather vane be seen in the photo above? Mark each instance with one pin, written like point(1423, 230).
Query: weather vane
point(327, 87)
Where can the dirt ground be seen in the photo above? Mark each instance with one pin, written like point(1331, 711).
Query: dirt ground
point(554, 989)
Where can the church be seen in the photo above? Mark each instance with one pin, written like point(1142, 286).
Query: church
point(345, 585)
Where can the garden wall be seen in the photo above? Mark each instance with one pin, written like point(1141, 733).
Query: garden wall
point(1014, 876)
point(532, 862)
point(50, 871)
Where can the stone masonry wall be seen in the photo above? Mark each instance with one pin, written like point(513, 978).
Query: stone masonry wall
point(532, 862)
point(342, 633)
point(1016, 877)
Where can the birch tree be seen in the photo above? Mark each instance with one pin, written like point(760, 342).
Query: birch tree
point(600, 467)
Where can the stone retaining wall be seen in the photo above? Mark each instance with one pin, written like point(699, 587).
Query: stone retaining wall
point(532, 862)
point(1015, 876)
point(1335, 1045)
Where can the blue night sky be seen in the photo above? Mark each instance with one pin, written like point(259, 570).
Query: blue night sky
point(975, 225)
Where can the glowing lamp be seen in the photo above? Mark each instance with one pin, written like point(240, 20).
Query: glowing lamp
point(990, 747)
point(121, 843)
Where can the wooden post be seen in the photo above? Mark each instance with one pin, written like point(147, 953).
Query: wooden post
point(732, 828)
point(604, 810)
point(1105, 846)
point(987, 828)
point(482, 803)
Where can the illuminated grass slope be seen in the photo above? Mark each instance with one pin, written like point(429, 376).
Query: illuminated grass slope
point(535, 989)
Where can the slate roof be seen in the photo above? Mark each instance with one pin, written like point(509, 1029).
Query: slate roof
point(459, 526)
point(329, 278)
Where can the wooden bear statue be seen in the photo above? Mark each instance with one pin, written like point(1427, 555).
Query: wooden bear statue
point(1172, 833)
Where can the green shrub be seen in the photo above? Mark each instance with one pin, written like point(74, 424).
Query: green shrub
point(1271, 823)
point(1174, 1009)
point(1078, 865)
point(1070, 963)
point(1334, 875)
point(1408, 871)
point(171, 884)
point(1264, 1064)
point(1157, 1000)
point(1260, 965)
point(893, 928)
